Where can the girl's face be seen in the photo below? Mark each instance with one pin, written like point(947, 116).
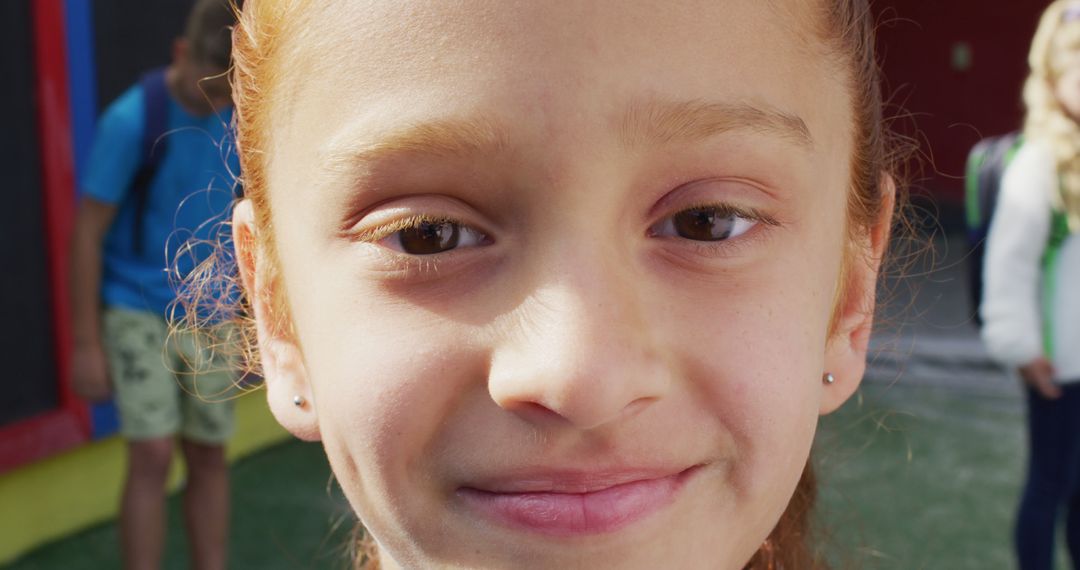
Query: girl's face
point(561, 274)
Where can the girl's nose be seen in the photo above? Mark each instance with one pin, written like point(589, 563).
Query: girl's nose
point(579, 353)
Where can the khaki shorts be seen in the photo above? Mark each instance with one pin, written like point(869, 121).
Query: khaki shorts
point(165, 385)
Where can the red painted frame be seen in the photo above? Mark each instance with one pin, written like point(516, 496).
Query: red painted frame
point(68, 425)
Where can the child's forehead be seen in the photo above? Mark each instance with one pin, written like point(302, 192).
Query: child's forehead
point(419, 31)
point(387, 42)
point(539, 67)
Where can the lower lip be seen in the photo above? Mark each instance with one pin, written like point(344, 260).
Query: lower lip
point(578, 514)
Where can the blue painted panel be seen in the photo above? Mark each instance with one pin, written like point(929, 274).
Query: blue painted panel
point(82, 79)
point(103, 420)
point(82, 75)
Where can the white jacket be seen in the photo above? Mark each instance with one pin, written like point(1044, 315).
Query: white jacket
point(1031, 307)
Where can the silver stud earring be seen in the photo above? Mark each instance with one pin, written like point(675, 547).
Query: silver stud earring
point(298, 401)
point(828, 378)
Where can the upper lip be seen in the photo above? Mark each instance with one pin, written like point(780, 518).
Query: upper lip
point(570, 481)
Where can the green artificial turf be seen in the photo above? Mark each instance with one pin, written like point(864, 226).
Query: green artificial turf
point(917, 477)
point(286, 515)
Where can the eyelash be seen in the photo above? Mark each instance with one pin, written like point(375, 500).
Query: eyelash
point(412, 265)
point(726, 209)
point(431, 262)
point(722, 210)
point(384, 231)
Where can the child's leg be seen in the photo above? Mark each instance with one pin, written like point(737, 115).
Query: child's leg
point(1051, 438)
point(1071, 397)
point(146, 396)
point(142, 506)
point(207, 409)
point(206, 504)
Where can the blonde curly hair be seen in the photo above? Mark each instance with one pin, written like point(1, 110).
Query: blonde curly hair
point(1055, 46)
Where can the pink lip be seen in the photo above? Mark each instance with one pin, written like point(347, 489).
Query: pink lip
point(572, 504)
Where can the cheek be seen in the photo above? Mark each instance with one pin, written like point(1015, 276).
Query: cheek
point(383, 376)
point(382, 390)
point(755, 351)
point(766, 375)
point(386, 396)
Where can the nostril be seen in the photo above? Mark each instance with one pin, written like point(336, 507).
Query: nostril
point(534, 411)
point(639, 405)
point(579, 370)
point(537, 413)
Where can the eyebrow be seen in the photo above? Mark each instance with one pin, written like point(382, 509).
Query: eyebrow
point(451, 138)
point(660, 121)
point(652, 122)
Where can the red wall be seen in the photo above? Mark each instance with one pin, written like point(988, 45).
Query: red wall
point(953, 108)
point(69, 424)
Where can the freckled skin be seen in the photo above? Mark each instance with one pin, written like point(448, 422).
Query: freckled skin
point(575, 340)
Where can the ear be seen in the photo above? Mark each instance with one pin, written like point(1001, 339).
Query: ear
point(282, 361)
point(845, 354)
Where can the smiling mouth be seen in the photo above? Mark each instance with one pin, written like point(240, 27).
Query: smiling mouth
point(570, 505)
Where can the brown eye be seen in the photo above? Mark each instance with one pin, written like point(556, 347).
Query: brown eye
point(428, 238)
point(426, 235)
point(704, 224)
point(707, 223)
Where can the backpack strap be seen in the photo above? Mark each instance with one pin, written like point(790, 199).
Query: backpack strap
point(986, 166)
point(155, 122)
point(992, 170)
point(1059, 232)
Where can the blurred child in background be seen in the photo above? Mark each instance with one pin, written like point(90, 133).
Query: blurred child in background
point(157, 176)
point(1031, 303)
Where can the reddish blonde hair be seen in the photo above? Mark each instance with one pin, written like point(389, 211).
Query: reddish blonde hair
point(846, 29)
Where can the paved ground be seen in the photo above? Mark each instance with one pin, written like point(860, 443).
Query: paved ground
point(927, 333)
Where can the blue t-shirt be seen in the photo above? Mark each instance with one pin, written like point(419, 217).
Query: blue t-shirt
point(189, 197)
